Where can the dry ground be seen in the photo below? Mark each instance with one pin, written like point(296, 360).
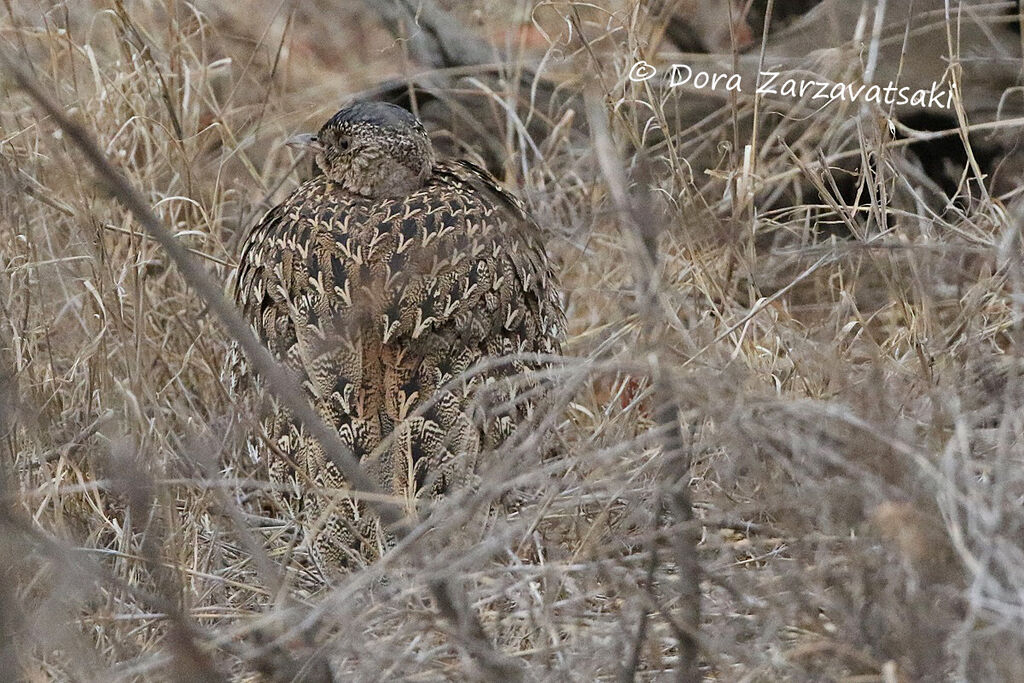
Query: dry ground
point(824, 373)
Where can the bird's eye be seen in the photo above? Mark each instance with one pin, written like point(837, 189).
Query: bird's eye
point(343, 144)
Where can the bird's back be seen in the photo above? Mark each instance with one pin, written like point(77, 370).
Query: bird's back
point(382, 305)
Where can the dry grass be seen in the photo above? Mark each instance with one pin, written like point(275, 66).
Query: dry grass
point(840, 348)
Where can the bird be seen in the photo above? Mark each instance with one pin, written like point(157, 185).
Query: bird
point(380, 281)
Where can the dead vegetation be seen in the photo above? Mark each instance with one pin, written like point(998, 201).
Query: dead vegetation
point(787, 428)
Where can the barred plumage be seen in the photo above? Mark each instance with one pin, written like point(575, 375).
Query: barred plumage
point(381, 280)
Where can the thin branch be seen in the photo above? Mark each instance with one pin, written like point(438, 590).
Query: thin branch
point(434, 37)
point(278, 380)
point(276, 377)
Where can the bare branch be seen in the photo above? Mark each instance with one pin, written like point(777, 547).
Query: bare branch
point(275, 376)
point(435, 38)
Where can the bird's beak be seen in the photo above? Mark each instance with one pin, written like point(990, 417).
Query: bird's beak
point(305, 142)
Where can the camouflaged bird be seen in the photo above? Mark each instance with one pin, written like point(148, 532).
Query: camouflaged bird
point(382, 280)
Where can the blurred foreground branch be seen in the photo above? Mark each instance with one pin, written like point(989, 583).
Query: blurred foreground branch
point(275, 376)
point(643, 225)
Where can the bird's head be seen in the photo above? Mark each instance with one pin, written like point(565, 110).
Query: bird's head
point(372, 149)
